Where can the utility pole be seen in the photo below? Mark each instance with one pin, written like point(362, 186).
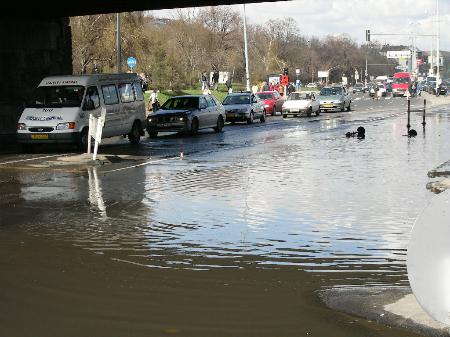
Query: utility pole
point(438, 61)
point(119, 48)
point(247, 75)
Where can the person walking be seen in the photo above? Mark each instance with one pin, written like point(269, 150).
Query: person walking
point(154, 100)
point(229, 85)
point(204, 81)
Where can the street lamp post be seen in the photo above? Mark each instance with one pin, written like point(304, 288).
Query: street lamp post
point(247, 75)
point(119, 48)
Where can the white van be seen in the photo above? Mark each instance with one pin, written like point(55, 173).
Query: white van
point(59, 110)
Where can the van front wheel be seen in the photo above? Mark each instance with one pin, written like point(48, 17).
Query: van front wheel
point(135, 134)
point(83, 140)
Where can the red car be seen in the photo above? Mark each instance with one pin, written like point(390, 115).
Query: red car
point(273, 101)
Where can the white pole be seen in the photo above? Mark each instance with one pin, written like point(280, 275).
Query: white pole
point(247, 75)
point(437, 46)
point(431, 72)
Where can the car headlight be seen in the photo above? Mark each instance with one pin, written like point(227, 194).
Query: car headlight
point(21, 126)
point(65, 126)
point(266, 105)
point(338, 102)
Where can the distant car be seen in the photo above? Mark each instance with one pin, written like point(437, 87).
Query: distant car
point(359, 87)
point(335, 98)
point(244, 107)
point(311, 85)
point(272, 100)
point(187, 114)
point(301, 103)
point(443, 88)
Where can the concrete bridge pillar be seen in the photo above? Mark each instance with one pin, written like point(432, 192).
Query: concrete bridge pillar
point(30, 49)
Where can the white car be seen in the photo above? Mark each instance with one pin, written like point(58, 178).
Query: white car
point(311, 85)
point(301, 103)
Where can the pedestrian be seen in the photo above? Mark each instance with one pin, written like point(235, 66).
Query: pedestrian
point(215, 79)
point(265, 87)
point(229, 85)
point(154, 103)
point(204, 81)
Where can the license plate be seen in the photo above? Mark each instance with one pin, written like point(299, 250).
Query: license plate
point(328, 105)
point(39, 136)
point(231, 115)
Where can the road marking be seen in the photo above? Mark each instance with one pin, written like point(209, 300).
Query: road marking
point(142, 164)
point(36, 158)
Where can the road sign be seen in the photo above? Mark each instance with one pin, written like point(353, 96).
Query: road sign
point(321, 74)
point(131, 61)
point(297, 71)
point(397, 54)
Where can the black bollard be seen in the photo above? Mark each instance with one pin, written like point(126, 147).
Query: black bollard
point(412, 133)
point(424, 108)
point(361, 132)
point(409, 113)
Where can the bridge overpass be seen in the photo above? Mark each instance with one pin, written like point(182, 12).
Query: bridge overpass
point(35, 41)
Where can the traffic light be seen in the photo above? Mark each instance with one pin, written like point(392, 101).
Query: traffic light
point(367, 35)
point(285, 71)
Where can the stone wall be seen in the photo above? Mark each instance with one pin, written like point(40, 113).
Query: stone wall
point(30, 49)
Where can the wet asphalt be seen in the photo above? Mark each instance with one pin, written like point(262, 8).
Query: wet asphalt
point(228, 234)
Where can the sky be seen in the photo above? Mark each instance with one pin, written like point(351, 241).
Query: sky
point(333, 17)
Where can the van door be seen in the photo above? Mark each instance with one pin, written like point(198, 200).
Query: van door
point(91, 105)
point(128, 107)
point(111, 100)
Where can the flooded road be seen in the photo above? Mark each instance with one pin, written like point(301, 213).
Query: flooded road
point(231, 239)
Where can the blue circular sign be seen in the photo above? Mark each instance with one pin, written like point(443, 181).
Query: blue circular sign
point(131, 61)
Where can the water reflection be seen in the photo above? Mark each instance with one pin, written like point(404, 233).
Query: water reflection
point(316, 200)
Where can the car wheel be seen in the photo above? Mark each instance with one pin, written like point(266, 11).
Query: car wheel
point(152, 134)
point(194, 127)
point(250, 119)
point(309, 112)
point(219, 124)
point(348, 108)
point(135, 134)
point(83, 140)
point(343, 107)
point(274, 110)
point(284, 116)
point(318, 112)
point(263, 117)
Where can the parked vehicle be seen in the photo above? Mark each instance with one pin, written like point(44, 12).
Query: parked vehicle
point(272, 101)
point(187, 114)
point(400, 84)
point(334, 98)
point(443, 88)
point(311, 85)
point(244, 107)
point(301, 103)
point(59, 109)
point(359, 87)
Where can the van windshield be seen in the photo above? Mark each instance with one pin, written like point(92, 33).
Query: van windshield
point(401, 80)
point(57, 97)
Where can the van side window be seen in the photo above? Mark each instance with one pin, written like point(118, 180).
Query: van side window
point(138, 91)
point(126, 92)
point(110, 94)
point(92, 99)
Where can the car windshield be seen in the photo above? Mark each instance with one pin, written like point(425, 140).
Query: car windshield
point(265, 96)
point(236, 99)
point(57, 97)
point(181, 103)
point(298, 96)
point(330, 91)
point(401, 80)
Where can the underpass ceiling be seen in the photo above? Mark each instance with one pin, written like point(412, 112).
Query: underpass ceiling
point(47, 8)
